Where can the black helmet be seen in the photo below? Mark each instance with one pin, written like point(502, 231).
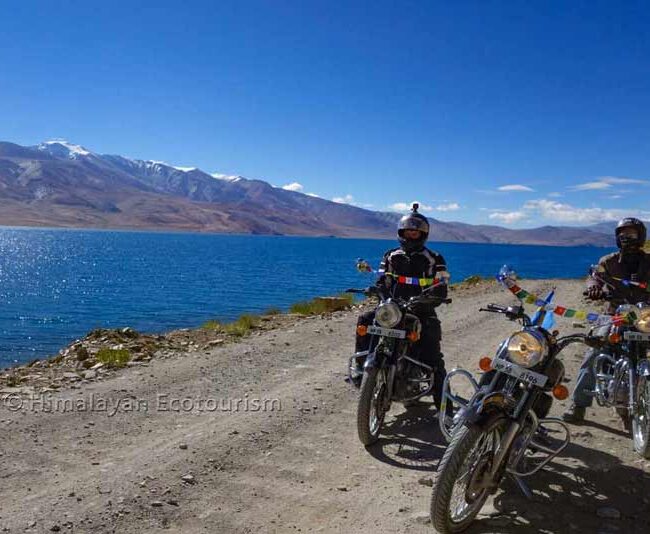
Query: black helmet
point(627, 243)
point(413, 221)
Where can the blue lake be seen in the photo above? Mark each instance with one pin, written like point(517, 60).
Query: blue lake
point(55, 285)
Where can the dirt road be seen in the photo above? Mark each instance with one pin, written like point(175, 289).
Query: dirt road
point(170, 446)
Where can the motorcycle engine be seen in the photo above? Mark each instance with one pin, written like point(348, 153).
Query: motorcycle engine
point(621, 394)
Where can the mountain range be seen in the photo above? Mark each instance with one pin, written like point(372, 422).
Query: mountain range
point(60, 184)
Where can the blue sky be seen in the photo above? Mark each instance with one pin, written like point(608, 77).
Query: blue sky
point(512, 113)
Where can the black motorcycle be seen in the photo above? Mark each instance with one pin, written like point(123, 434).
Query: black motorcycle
point(622, 365)
point(390, 372)
point(504, 428)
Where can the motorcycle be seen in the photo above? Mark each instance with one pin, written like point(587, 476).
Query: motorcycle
point(390, 372)
point(503, 429)
point(622, 365)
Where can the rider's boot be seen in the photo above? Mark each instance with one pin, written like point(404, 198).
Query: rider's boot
point(575, 414)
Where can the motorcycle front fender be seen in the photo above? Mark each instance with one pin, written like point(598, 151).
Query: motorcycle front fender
point(374, 360)
point(484, 410)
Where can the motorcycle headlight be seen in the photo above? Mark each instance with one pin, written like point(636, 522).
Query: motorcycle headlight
point(643, 322)
point(388, 315)
point(527, 348)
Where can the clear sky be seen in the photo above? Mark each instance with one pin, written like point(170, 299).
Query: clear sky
point(375, 103)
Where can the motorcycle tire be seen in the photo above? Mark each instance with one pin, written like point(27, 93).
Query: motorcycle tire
point(641, 419)
point(464, 441)
point(370, 410)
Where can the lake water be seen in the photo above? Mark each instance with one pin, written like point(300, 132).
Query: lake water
point(56, 285)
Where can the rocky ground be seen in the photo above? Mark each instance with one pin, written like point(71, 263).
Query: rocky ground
point(259, 435)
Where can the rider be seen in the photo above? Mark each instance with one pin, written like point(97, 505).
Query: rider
point(413, 259)
point(629, 263)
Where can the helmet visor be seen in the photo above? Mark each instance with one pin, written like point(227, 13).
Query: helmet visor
point(413, 223)
point(628, 233)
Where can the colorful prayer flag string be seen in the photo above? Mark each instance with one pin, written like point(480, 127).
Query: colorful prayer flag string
point(562, 311)
point(364, 267)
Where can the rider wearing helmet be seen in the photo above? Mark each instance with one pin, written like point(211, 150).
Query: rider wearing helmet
point(413, 259)
point(629, 263)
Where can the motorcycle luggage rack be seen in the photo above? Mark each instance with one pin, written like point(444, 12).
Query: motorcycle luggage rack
point(447, 425)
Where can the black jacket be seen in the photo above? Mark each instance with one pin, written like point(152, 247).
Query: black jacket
point(420, 264)
point(634, 267)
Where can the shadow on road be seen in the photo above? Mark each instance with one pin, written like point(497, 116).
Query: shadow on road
point(589, 491)
point(605, 428)
point(411, 440)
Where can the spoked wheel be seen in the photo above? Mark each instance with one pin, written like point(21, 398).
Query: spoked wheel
point(372, 401)
point(641, 419)
point(461, 487)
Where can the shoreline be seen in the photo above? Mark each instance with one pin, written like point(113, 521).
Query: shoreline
point(100, 353)
point(77, 361)
point(167, 337)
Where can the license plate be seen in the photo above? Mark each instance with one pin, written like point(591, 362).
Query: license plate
point(636, 336)
point(388, 332)
point(525, 375)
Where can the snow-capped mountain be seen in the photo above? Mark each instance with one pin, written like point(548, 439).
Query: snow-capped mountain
point(60, 148)
point(58, 183)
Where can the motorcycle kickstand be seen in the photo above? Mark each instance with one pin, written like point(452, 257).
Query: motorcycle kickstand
point(523, 487)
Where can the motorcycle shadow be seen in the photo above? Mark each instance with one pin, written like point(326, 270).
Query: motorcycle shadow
point(605, 428)
point(411, 440)
point(585, 490)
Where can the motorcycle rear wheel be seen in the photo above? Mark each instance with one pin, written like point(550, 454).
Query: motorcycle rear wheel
point(468, 457)
point(370, 410)
point(641, 419)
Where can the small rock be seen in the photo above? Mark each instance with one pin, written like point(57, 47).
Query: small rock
point(189, 479)
point(129, 332)
point(342, 488)
point(157, 504)
point(71, 376)
point(426, 481)
point(421, 517)
point(89, 375)
point(172, 502)
point(607, 512)
point(82, 353)
point(183, 446)
point(55, 528)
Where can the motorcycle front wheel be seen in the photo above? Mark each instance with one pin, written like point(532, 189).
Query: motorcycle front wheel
point(459, 491)
point(371, 408)
point(641, 419)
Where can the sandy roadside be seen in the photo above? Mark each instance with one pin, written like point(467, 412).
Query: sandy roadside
point(176, 450)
